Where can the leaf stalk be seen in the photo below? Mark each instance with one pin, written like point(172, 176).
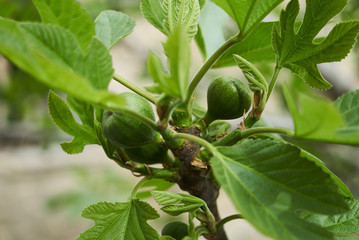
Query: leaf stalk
point(134, 88)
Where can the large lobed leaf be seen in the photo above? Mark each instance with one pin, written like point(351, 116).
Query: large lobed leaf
point(120, 221)
point(247, 13)
point(297, 51)
point(269, 181)
point(70, 15)
point(316, 118)
point(112, 26)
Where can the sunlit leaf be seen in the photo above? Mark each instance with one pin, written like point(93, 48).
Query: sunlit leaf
point(112, 26)
point(269, 181)
point(70, 15)
point(120, 221)
point(298, 50)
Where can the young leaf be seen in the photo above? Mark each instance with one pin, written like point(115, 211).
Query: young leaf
point(70, 15)
point(298, 51)
point(316, 118)
point(121, 221)
point(177, 203)
point(254, 77)
point(341, 224)
point(62, 116)
point(256, 47)
point(153, 12)
point(112, 26)
point(181, 12)
point(247, 13)
point(178, 51)
point(268, 181)
point(200, 41)
point(162, 85)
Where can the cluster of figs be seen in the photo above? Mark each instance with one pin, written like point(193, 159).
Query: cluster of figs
point(227, 98)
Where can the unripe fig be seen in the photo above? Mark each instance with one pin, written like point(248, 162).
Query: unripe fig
point(124, 130)
point(227, 98)
point(175, 229)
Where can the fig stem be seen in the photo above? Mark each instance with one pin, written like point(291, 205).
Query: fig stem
point(134, 88)
point(138, 186)
point(225, 220)
point(209, 63)
point(273, 81)
point(239, 134)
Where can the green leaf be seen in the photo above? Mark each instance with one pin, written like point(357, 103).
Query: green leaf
point(153, 12)
point(62, 116)
point(256, 47)
point(177, 203)
point(300, 52)
point(254, 77)
point(163, 83)
point(60, 45)
point(83, 109)
point(112, 26)
point(166, 238)
point(97, 65)
point(181, 12)
point(212, 22)
point(76, 146)
point(342, 187)
point(178, 51)
point(348, 105)
point(341, 224)
point(345, 238)
point(120, 221)
point(247, 13)
point(202, 3)
point(200, 41)
point(51, 56)
point(268, 181)
point(316, 118)
point(70, 15)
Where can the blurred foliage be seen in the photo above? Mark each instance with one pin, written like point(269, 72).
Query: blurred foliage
point(92, 186)
point(94, 7)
